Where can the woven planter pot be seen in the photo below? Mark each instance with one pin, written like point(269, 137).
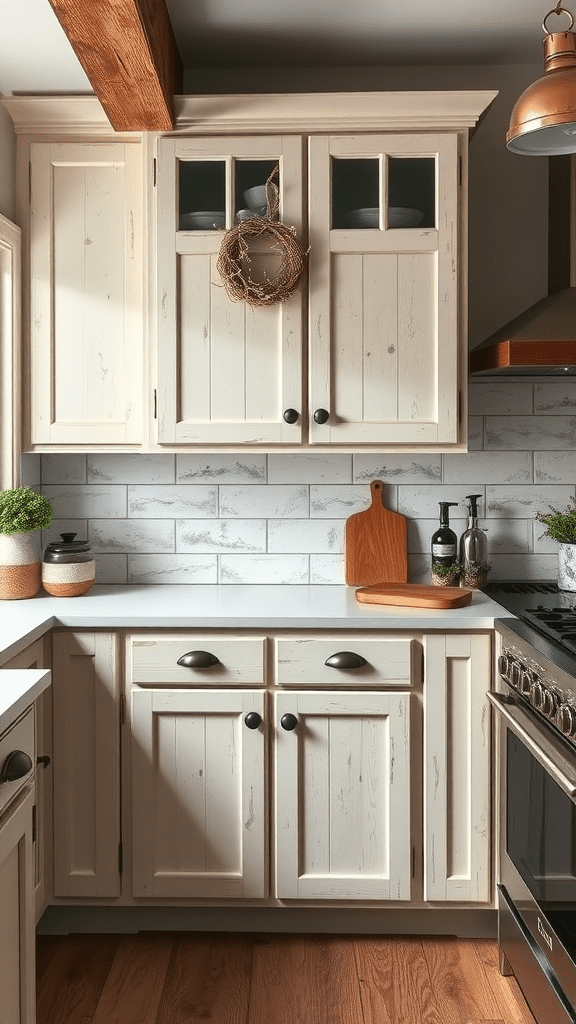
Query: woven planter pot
point(567, 566)
point(20, 566)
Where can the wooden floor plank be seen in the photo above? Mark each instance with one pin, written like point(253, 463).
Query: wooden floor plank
point(134, 985)
point(46, 946)
point(511, 1002)
point(72, 979)
point(208, 979)
point(307, 979)
point(458, 980)
point(394, 981)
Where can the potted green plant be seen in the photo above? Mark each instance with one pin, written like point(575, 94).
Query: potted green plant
point(561, 526)
point(22, 513)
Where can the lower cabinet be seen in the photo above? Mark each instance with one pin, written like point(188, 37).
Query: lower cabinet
point(87, 709)
point(199, 822)
point(17, 923)
point(343, 796)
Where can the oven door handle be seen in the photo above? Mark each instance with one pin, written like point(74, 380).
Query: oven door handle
point(538, 743)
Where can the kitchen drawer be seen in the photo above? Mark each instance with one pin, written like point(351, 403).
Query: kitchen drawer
point(153, 660)
point(19, 736)
point(300, 661)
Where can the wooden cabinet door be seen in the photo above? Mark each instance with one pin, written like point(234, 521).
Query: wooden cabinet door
point(86, 702)
point(35, 657)
point(343, 796)
point(198, 790)
point(227, 371)
point(457, 833)
point(384, 300)
point(17, 937)
point(86, 317)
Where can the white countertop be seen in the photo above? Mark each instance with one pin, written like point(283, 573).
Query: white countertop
point(232, 607)
point(19, 687)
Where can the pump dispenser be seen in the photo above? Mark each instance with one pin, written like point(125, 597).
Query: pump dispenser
point(444, 540)
point(473, 557)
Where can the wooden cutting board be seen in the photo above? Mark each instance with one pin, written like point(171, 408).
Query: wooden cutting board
point(376, 544)
point(415, 595)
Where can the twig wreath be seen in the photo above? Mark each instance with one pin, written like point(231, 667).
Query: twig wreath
point(234, 257)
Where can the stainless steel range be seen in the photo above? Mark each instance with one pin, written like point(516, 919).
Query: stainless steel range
point(535, 701)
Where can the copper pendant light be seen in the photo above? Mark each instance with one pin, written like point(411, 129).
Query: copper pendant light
point(543, 122)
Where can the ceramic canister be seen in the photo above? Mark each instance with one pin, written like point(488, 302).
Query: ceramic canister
point(68, 568)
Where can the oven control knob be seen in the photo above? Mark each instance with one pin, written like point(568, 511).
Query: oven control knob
point(526, 682)
point(549, 703)
point(566, 719)
point(513, 672)
point(538, 693)
point(503, 665)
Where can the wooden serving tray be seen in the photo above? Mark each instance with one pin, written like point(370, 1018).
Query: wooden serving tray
point(415, 595)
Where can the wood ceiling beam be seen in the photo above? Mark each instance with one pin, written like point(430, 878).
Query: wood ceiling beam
point(128, 51)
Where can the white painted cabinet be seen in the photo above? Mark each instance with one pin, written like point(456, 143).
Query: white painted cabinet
point(87, 708)
point(36, 656)
point(85, 328)
point(343, 796)
point(227, 371)
point(199, 820)
point(457, 832)
point(17, 935)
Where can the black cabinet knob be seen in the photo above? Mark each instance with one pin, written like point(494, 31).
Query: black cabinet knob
point(288, 722)
point(198, 659)
point(16, 766)
point(345, 660)
point(291, 416)
point(253, 720)
point(321, 415)
point(43, 760)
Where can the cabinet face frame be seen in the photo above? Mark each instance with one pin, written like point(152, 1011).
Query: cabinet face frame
point(17, 925)
point(228, 346)
point(10, 328)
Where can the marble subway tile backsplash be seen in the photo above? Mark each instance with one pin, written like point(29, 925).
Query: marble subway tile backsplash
point(279, 518)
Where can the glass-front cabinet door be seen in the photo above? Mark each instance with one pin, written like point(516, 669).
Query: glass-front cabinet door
point(384, 300)
point(228, 372)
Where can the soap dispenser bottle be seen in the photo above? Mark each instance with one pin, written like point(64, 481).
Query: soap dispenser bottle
point(445, 570)
point(473, 555)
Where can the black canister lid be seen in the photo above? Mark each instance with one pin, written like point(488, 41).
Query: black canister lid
point(61, 550)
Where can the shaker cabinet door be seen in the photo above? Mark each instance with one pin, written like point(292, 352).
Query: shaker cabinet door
point(227, 371)
point(86, 317)
point(384, 289)
point(343, 796)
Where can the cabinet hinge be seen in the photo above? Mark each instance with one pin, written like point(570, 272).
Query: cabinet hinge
point(122, 709)
point(154, 171)
point(155, 404)
point(34, 823)
point(120, 858)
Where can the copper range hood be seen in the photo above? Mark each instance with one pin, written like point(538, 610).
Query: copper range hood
point(542, 340)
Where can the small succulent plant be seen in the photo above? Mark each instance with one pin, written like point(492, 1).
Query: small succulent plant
point(22, 509)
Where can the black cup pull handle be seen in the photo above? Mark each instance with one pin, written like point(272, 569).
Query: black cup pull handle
point(321, 415)
point(198, 659)
point(43, 760)
point(346, 660)
point(288, 722)
point(16, 766)
point(291, 416)
point(253, 720)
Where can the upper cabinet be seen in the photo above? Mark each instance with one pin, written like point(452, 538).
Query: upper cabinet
point(85, 324)
point(370, 350)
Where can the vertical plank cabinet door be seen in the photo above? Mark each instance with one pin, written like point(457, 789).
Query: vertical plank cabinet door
point(17, 936)
point(343, 796)
point(384, 299)
point(86, 764)
point(457, 768)
point(227, 370)
point(86, 318)
point(34, 657)
point(198, 774)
